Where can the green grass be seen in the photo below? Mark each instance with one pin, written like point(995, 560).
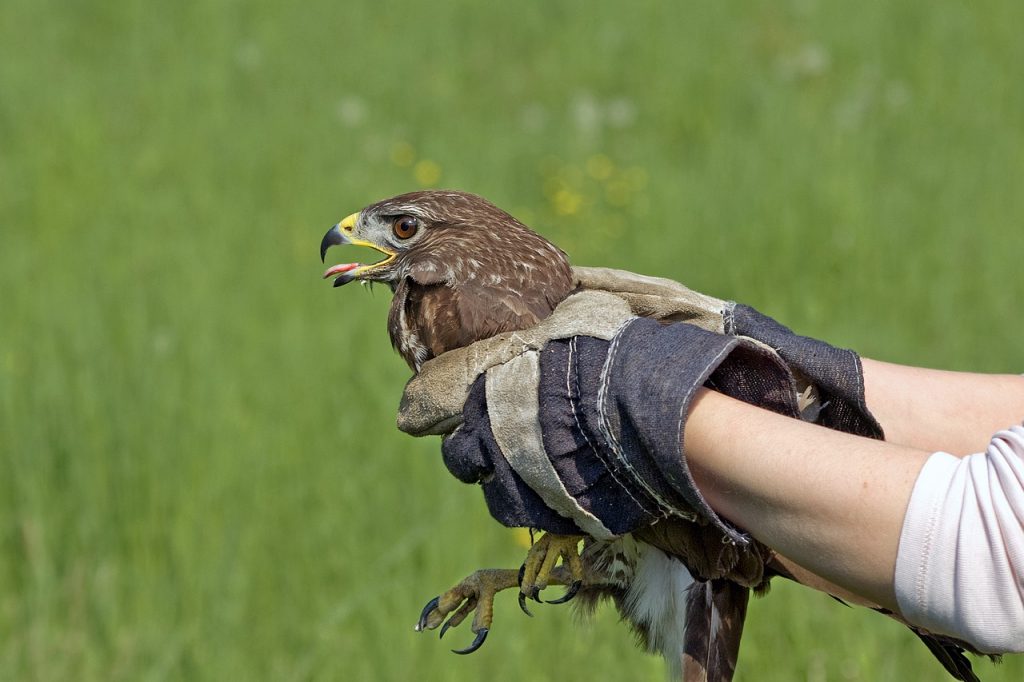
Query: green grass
point(200, 478)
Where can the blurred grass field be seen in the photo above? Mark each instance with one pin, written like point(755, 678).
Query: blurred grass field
point(200, 478)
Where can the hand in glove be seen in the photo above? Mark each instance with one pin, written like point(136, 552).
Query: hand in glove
point(578, 424)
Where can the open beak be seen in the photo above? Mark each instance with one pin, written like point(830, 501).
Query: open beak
point(340, 234)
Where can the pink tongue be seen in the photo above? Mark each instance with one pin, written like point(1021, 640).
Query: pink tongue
point(338, 269)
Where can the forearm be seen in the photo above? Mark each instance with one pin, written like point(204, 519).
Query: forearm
point(831, 502)
point(956, 412)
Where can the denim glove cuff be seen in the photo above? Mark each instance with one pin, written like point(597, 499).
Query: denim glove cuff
point(836, 373)
point(648, 383)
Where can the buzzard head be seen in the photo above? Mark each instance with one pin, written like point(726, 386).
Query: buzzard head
point(461, 269)
point(393, 230)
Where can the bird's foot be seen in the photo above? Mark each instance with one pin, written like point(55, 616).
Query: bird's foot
point(539, 570)
point(475, 593)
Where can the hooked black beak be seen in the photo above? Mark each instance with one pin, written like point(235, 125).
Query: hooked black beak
point(334, 237)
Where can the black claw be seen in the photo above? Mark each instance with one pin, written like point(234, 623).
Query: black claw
point(421, 624)
point(522, 572)
point(522, 605)
point(535, 595)
point(444, 628)
point(477, 643)
point(569, 594)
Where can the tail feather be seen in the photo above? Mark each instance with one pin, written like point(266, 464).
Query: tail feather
point(949, 651)
point(950, 656)
point(715, 612)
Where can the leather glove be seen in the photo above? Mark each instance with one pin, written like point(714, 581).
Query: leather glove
point(585, 435)
point(578, 424)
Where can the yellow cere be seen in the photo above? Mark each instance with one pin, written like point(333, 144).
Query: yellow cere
point(349, 222)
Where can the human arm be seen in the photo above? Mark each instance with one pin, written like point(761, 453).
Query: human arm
point(829, 501)
point(929, 535)
point(931, 409)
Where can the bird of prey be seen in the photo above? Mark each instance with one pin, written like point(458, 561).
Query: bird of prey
point(463, 270)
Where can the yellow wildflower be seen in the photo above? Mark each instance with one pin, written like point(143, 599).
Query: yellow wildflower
point(567, 202)
point(427, 172)
point(600, 167)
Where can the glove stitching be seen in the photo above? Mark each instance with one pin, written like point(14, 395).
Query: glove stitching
point(729, 318)
point(684, 411)
point(665, 509)
point(861, 402)
point(523, 447)
point(576, 417)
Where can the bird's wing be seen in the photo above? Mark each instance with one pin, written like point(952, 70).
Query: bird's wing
point(444, 318)
point(486, 311)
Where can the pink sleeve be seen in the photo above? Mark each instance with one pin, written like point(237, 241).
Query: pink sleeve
point(960, 566)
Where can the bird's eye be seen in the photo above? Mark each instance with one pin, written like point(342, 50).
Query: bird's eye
point(405, 226)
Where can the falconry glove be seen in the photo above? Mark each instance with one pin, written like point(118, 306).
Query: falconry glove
point(578, 424)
